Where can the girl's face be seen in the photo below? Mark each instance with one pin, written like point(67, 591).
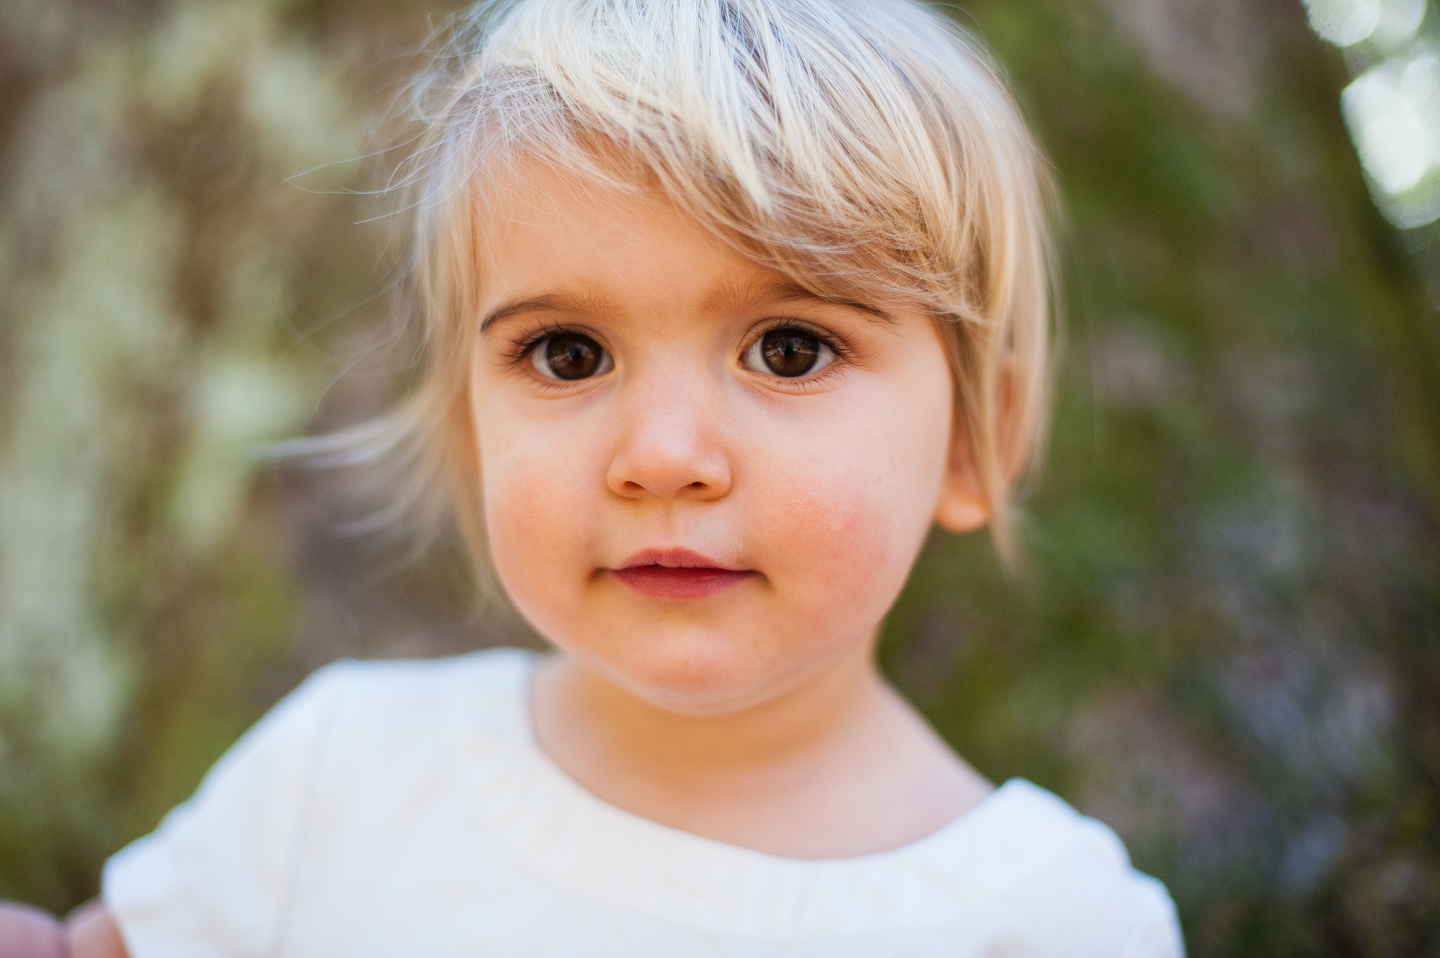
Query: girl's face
point(702, 482)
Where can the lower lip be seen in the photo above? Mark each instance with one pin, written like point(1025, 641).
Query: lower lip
point(660, 582)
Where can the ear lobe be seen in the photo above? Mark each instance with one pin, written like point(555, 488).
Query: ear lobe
point(963, 505)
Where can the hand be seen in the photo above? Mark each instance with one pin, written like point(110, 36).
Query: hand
point(89, 932)
point(92, 933)
point(27, 932)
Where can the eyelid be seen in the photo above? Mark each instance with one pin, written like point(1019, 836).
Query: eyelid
point(519, 353)
point(520, 347)
point(841, 356)
point(836, 345)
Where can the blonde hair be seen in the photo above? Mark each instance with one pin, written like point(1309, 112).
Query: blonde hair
point(866, 148)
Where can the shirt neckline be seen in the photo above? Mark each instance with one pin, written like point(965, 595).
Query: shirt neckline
point(592, 847)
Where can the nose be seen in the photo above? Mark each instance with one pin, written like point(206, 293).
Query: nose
point(669, 445)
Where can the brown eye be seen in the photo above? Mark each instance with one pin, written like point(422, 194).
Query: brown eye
point(790, 352)
point(570, 356)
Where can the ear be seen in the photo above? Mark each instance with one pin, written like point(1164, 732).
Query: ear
point(963, 505)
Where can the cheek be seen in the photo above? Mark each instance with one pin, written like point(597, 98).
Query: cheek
point(857, 509)
point(834, 537)
point(522, 513)
point(537, 521)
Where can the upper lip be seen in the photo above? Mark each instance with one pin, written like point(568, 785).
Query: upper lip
point(675, 559)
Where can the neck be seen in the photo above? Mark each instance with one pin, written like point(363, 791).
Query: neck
point(799, 775)
point(579, 713)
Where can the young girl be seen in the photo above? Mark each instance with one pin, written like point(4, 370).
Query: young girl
point(725, 302)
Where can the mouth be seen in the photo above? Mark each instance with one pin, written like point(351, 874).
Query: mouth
point(678, 574)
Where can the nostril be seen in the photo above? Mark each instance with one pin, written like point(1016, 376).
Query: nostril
point(667, 469)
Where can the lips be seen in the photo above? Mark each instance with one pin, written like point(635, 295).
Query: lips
point(678, 574)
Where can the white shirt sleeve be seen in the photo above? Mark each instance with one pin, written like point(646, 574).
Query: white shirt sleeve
point(1157, 934)
point(214, 878)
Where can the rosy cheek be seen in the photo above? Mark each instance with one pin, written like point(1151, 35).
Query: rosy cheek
point(834, 538)
point(535, 524)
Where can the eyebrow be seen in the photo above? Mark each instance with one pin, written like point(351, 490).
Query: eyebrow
point(728, 297)
point(553, 302)
point(755, 294)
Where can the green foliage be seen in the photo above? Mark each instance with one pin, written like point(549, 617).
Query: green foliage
point(153, 256)
point(1225, 642)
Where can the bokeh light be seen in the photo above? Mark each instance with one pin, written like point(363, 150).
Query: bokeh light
point(1393, 106)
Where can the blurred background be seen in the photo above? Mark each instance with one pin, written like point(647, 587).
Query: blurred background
point(1227, 642)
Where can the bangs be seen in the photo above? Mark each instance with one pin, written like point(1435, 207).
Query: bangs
point(867, 149)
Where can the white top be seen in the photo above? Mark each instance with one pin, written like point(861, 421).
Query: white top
point(403, 808)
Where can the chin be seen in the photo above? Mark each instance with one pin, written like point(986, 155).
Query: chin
point(695, 672)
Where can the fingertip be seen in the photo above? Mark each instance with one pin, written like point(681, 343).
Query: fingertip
point(93, 933)
point(29, 932)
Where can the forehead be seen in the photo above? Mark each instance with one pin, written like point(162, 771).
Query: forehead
point(553, 238)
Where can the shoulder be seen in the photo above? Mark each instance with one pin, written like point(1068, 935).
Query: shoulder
point(375, 716)
point(1075, 870)
point(379, 691)
point(358, 747)
point(350, 723)
point(369, 711)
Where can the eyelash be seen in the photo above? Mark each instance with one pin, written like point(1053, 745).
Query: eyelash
point(520, 348)
point(844, 355)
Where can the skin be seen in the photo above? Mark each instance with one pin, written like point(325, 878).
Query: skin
point(89, 932)
point(754, 715)
point(93, 933)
